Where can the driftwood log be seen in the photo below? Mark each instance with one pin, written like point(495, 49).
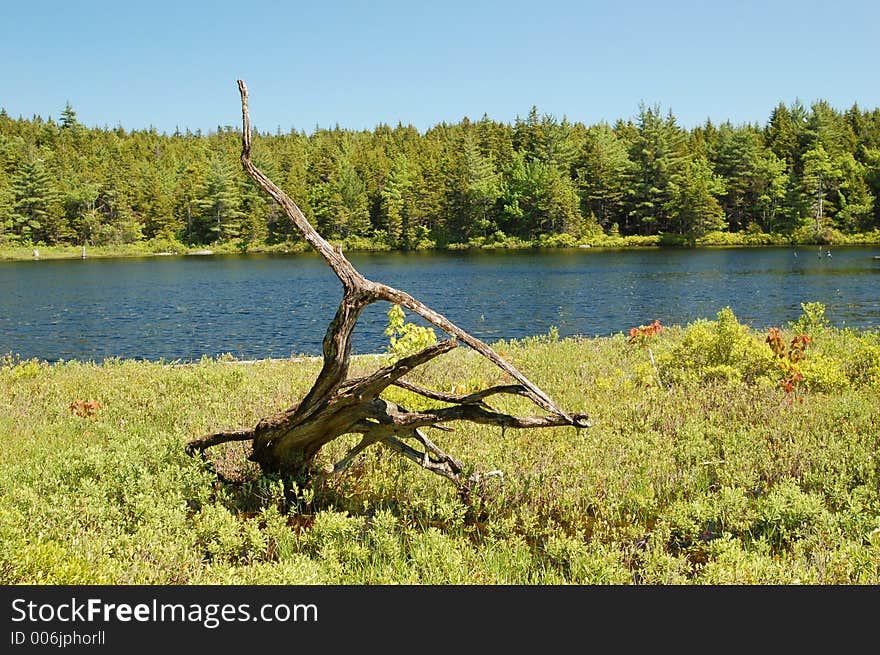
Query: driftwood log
point(288, 442)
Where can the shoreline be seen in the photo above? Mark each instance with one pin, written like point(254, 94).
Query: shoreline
point(722, 240)
point(10, 359)
point(14, 359)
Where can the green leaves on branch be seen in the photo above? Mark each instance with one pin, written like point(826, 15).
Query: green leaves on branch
point(406, 338)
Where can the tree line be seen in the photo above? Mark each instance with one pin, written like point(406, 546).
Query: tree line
point(807, 171)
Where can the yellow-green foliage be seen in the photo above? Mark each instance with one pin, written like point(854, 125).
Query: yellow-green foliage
point(726, 350)
point(722, 349)
point(812, 321)
point(406, 338)
point(716, 477)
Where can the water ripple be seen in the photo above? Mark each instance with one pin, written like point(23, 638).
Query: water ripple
point(258, 306)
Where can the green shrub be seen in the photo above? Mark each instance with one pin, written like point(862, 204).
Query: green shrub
point(219, 533)
point(786, 514)
point(822, 373)
point(24, 370)
point(717, 350)
point(562, 240)
point(437, 557)
point(862, 367)
point(582, 563)
point(812, 321)
point(406, 338)
point(714, 478)
point(165, 245)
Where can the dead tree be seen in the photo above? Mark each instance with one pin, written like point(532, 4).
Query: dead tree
point(288, 442)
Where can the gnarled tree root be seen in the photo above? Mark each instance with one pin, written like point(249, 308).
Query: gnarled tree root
point(287, 442)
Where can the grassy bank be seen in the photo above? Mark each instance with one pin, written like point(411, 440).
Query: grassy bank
point(499, 242)
point(142, 249)
point(701, 469)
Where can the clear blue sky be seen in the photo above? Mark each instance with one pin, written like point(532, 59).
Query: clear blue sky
point(170, 64)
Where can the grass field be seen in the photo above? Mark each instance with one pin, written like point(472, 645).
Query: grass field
point(701, 468)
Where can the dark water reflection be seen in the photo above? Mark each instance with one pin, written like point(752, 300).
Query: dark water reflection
point(256, 306)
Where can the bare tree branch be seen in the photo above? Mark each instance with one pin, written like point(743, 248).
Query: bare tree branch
point(377, 382)
point(207, 441)
point(351, 279)
point(469, 399)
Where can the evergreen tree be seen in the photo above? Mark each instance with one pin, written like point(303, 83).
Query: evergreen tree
point(658, 154)
point(820, 180)
point(522, 196)
point(7, 199)
point(191, 188)
point(351, 211)
point(255, 207)
point(397, 203)
point(539, 199)
point(769, 188)
point(153, 204)
point(496, 141)
point(693, 206)
point(734, 155)
point(784, 131)
point(545, 139)
point(563, 214)
point(871, 157)
point(827, 126)
point(429, 191)
point(528, 137)
point(337, 193)
point(755, 178)
point(115, 198)
point(475, 186)
point(220, 207)
point(80, 211)
point(291, 155)
point(322, 200)
point(603, 171)
point(34, 197)
point(68, 118)
point(855, 200)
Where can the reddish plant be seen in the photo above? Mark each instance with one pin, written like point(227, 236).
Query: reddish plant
point(640, 336)
point(641, 333)
point(789, 355)
point(85, 408)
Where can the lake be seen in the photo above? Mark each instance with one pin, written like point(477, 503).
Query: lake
point(258, 306)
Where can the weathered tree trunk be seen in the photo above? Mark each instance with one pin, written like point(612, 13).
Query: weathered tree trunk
point(287, 442)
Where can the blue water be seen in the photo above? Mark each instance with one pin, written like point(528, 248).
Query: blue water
point(256, 306)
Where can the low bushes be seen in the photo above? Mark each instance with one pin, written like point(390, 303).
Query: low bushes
point(702, 468)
